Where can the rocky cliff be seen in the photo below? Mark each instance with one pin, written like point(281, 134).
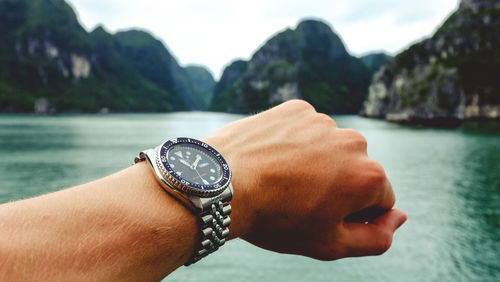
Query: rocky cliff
point(374, 61)
point(47, 58)
point(449, 77)
point(222, 97)
point(202, 85)
point(309, 62)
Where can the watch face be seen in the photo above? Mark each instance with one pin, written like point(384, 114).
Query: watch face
point(195, 164)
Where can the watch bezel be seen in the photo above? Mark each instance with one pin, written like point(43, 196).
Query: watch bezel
point(200, 190)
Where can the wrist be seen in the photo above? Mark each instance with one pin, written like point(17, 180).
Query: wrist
point(243, 205)
point(157, 214)
point(197, 175)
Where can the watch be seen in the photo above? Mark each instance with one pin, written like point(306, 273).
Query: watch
point(197, 175)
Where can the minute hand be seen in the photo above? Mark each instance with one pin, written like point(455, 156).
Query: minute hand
point(195, 164)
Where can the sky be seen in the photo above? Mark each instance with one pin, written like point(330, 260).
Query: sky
point(215, 33)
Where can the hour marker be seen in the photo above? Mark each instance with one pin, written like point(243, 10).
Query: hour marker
point(172, 158)
point(212, 170)
point(179, 154)
point(172, 165)
point(203, 165)
point(178, 172)
point(188, 153)
point(212, 178)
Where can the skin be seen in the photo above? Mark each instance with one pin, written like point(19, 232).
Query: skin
point(301, 186)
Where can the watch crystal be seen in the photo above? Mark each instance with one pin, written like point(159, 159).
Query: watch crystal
point(194, 164)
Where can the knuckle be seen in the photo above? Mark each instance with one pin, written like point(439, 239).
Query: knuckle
point(376, 184)
point(361, 143)
point(355, 135)
point(375, 172)
point(352, 133)
point(356, 138)
point(298, 105)
point(324, 118)
point(383, 244)
point(370, 175)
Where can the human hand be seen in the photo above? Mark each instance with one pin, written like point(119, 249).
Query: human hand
point(304, 186)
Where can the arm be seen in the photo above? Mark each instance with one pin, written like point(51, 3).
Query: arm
point(120, 228)
point(302, 186)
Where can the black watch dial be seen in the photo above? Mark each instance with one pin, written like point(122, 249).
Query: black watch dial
point(195, 164)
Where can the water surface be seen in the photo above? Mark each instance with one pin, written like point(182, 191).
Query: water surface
point(447, 180)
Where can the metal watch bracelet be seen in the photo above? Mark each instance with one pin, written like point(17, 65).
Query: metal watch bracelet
point(214, 230)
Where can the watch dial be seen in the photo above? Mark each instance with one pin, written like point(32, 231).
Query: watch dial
point(194, 164)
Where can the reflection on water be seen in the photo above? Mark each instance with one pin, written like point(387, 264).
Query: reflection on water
point(479, 191)
point(447, 180)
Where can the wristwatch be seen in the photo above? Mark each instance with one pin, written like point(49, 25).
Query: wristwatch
point(197, 175)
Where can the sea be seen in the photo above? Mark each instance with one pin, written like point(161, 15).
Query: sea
point(446, 180)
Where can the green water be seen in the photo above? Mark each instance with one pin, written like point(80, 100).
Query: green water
point(447, 180)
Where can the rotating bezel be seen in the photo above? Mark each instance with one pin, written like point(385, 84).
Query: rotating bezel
point(200, 190)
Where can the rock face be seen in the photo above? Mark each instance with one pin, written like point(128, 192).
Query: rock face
point(374, 61)
point(45, 53)
point(202, 86)
point(309, 62)
point(452, 76)
point(222, 97)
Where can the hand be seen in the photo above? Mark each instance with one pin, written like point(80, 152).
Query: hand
point(185, 162)
point(195, 163)
point(304, 186)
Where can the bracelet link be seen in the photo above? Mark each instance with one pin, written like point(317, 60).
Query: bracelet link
point(214, 230)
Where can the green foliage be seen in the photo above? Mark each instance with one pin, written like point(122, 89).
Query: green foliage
point(314, 58)
point(373, 62)
point(130, 71)
point(279, 72)
point(202, 84)
point(55, 21)
point(468, 41)
point(346, 82)
point(224, 92)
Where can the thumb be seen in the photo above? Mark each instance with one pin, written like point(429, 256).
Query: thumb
point(373, 238)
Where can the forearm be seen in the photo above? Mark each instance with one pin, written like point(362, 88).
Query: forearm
point(122, 227)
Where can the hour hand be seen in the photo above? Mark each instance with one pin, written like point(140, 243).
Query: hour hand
point(186, 163)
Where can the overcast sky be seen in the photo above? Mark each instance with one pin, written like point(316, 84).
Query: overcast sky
point(214, 33)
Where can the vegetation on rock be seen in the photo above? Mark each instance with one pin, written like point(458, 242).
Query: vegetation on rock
point(309, 62)
point(46, 54)
point(453, 75)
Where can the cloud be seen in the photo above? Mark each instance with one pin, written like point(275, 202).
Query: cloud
point(213, 33)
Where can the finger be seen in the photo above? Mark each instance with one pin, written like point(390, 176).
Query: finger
point(372, 189)
point(372, 238)
point(379, 186)
point(386, 198)
point(366, 215)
